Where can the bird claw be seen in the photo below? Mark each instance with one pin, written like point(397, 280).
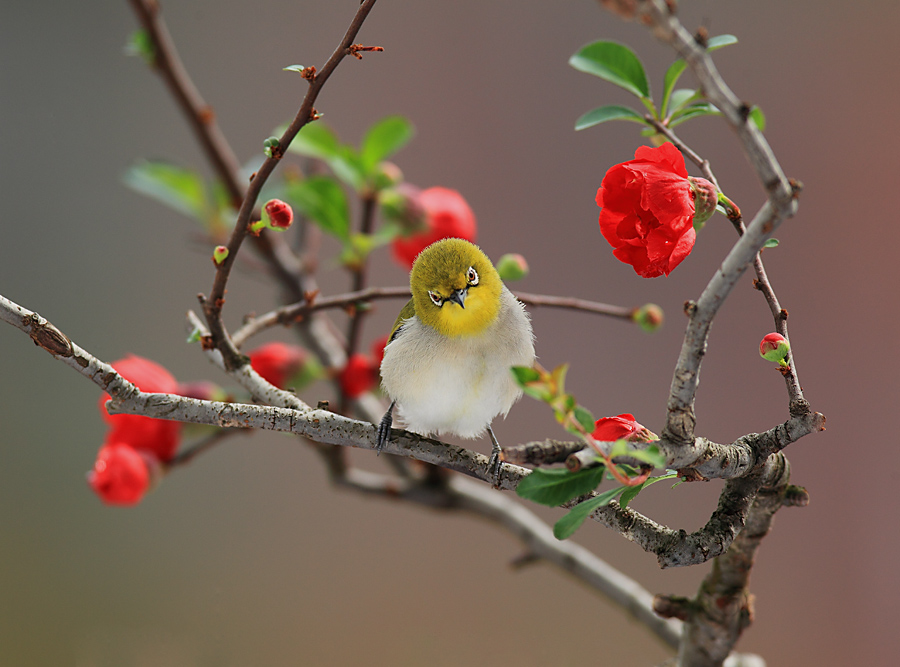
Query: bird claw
point(494, 466)
point(384, 430)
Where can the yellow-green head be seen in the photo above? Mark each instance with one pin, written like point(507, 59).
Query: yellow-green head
point(456, 290)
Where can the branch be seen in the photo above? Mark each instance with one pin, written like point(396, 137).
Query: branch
point(326, 427)
point(780, 205)
point(295, 312)
point(798, 405)
point(213, 305)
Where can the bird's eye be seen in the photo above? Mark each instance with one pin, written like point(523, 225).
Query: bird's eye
point(472, 276)
point(436, 298)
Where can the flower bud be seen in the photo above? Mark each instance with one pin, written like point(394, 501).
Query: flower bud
point(774, 347)
point(648, 317)
point(271, 144)
point(220, 254)
point(706, 197)
point(512, 266)
point(401, 205)
point(388, 176)
point(622, 427)
point(280, 214)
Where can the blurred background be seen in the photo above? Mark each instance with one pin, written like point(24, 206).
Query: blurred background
point(248, 556)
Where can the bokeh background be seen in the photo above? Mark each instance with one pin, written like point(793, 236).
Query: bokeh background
point(248, 556)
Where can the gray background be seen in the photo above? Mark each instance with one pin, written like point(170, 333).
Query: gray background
point(247, 556)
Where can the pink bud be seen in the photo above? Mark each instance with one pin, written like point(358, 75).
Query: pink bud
point(512, 266)
point(774, 347)
point(280, 214)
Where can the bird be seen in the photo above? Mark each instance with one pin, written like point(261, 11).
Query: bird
point(446, 366)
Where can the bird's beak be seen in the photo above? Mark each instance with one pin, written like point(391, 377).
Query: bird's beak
point(459, 296)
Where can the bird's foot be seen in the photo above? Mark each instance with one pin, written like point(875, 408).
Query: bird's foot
point(384, 429)
point(494, 463)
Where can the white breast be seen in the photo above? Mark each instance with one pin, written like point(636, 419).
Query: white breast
point(458, 385)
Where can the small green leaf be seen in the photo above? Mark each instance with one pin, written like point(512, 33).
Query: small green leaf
point(771, 243)
point(609, 112)
point(177, 187)
point(322, 199)
point(315, 140)
point(681, 98)
point(650, 455)
point(631, 492)
point(140, 44)
point(693, 111)
point(758, 118)
point(383, 139)
point(615, 63)
point(555, 487)
point(294, 68)
point(584, 417)
point(677, 68)
point(524, 375)
point(572, 521)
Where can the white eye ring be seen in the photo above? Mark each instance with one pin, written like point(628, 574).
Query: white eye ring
point(436, 298)
point(472, 276)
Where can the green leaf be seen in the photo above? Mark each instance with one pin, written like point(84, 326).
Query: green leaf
point(524, 374)
point(322, 199)
point(584, 417)
point(631, 492)
point(681, 98)
point(572, 521)
point(558, 486)
point(294, 68)
point(383, 139)
point(693, 111)
point(758, 118)
point(177, 187)
point(140, 44)
point(609, 112)
point(615, 63)
point(315, 140)
point(677, 68)
point(650, 454)
point(771, 243)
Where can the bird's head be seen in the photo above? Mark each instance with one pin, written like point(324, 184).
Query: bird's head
point(456, 290)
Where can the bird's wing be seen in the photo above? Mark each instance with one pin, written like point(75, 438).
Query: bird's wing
point(409, 310)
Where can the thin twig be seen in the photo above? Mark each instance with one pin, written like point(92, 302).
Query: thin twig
point(287, 315)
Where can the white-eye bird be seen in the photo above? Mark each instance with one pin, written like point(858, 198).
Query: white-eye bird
point(447, 362)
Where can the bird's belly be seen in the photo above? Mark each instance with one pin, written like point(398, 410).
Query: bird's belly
point(457, 394)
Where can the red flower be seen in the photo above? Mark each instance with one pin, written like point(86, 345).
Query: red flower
point(277, 362)
point(447, 215)
point(121, 474)
point(280, 214)
point(159, 436)
point(648, 210)
point(359, 375)
point(621, 427)
point(378, 350)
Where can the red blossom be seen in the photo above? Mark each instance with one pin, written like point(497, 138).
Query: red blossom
point(447, 215)
point(121, 474)
point(378, 350)
point(277, 362)
point(621, 427)
point(159, 436)
point(648, 210)
point(280, 213)
point(359, 375)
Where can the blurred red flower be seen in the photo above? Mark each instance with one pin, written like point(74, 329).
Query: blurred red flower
point(277, 362)
point(359, 375)
point(121, 474)
point(159, 436)
point(447, 215)
point(648, 210)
